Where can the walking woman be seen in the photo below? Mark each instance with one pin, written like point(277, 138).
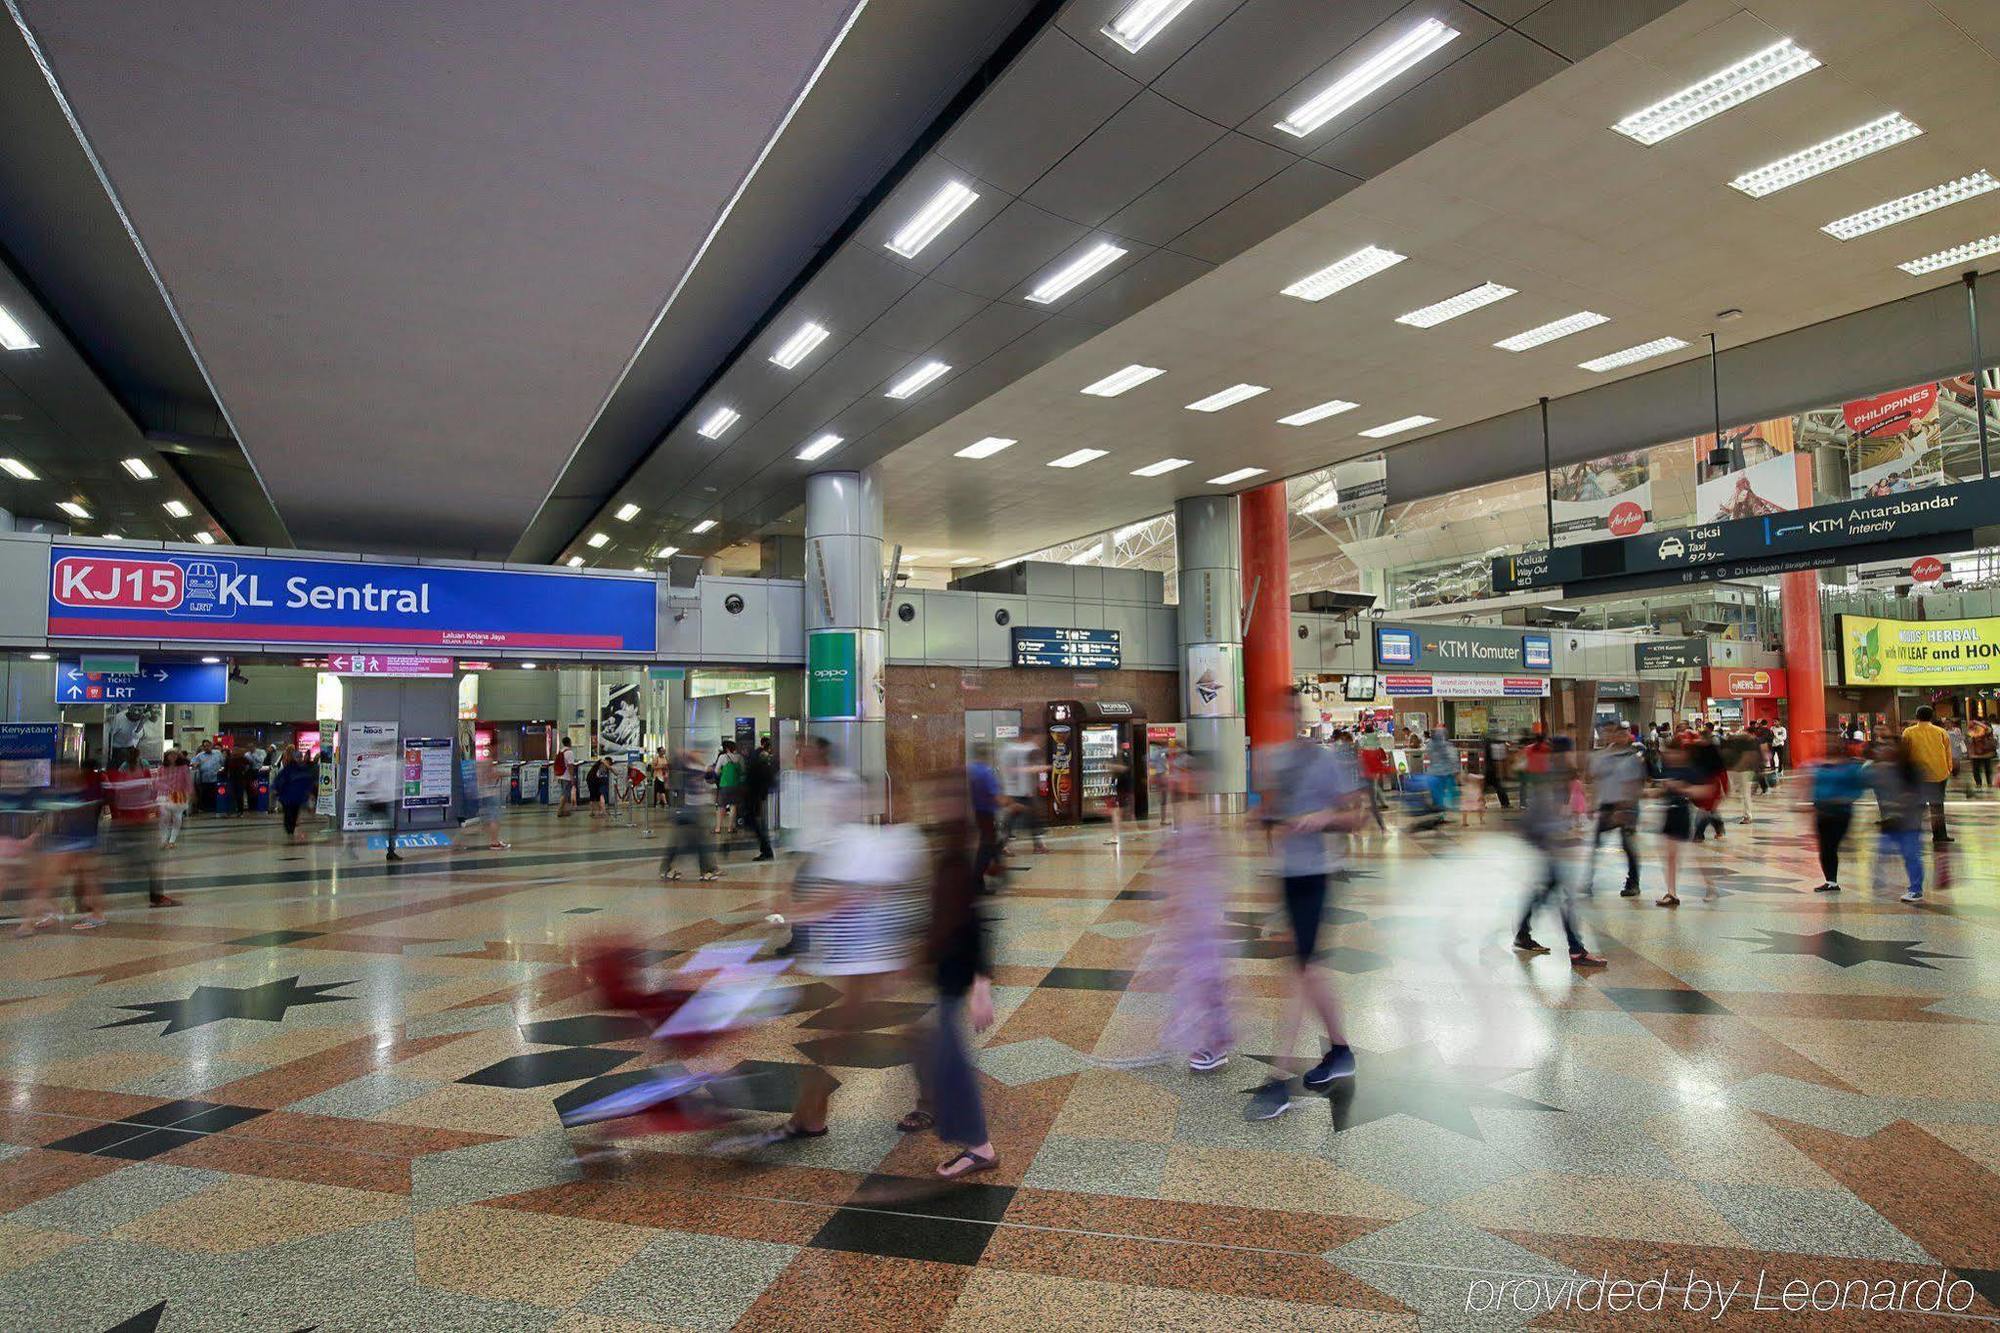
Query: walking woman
point(176, 794)
point(1693, 788)
point(1838, 781)
point(297, 783)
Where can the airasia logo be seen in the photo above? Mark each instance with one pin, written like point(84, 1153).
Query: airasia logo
point(1927, 570)
point(134, 585)
point(1627, 517)
point(1887, 413)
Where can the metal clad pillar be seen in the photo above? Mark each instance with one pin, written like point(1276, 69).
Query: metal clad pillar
point(845, 688)
point(1211, 638)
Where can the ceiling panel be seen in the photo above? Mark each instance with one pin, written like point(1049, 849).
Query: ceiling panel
point(1051, 100)
point(1134, 286)
point(1085, 21)
point(927, 313)
point(1006, 251)
point(1575, 28)
point(1213, 179)
point(1300, 189)
point(1262, 50)
point(1145, 141)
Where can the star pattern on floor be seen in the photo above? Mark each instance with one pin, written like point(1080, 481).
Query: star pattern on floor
point(1417, 1081)
point(1845, 950)
point(267, 1003)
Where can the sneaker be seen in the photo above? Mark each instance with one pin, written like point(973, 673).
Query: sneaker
point(163, 900)
point(91, 922)
point(1339, 1063)
point(1527, 944)
point(1270, 1101)
point(1585, 958)
point(1629, 891)
point(1203, 1061)
point(1913, 896)
point(1828, 887)
point(498, 846)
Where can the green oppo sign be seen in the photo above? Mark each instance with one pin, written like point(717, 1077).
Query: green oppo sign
point(831, 678)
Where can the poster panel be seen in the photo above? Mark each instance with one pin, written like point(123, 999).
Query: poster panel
point(371, 768)
point(426, 772)
point(1879, 651)
point(621, 722)
point(1214, 676)
point(1606, 496)
point(874, 684)
point(831, 687)
point(1895, 442)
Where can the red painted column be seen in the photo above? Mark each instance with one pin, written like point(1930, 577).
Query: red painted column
point(1265, 522)
point(1805, 670)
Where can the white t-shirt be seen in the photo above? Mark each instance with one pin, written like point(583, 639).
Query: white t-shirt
point(1017, 759)
point(568, 765)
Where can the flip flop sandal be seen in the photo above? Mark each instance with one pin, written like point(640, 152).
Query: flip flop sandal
point(1669, 901)
point(978, 1164)
point(916, 1121)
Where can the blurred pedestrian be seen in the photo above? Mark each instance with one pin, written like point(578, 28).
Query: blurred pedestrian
point(1981, 745)
point(1194, 876)
point(133, 797)
point(760, 779)
point(1928, 750)
point(296, 783)
point(1901, 793)
point(1838, 782)
point(1617, 776)
point(690, 832)
point(1545, 819)
point(176, 781)
point(1693, 784)
point(1021, 765)
point(983, 790)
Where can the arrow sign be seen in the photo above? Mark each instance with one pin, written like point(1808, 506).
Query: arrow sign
point(153, 683)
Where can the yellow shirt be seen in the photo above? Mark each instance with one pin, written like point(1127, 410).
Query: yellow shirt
point(1930, 750)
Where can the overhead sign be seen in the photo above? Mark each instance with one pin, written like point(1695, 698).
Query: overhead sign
point(1617, 689)
point(1361, 485)
point(390, 664)
point(1463, 648)
point(116, 664)
point(1940, 518)
point(1087, 649)
point(1670, 654)
point(1454, 686)
point(152, 683)
point(1745, 683)
point(98, 594)
point(1878, 651)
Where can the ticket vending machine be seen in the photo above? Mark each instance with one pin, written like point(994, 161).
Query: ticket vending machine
point(1092, 745)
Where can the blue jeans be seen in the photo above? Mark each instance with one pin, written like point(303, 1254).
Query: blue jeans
point(1909, 844)
point(954, 1082)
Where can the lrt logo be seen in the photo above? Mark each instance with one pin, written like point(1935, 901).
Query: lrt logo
point(133, 585)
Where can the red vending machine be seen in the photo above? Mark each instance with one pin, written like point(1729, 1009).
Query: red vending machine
point(1097, 750)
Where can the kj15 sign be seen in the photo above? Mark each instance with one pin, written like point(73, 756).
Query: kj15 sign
point(98, 594)
point(1940, 518)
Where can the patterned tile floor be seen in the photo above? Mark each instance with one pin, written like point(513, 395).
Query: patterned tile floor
point(322, 1095)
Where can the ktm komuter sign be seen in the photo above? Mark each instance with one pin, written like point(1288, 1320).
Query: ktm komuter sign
point(1939, 518)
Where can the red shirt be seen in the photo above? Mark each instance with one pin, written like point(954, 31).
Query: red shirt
point(130, 792)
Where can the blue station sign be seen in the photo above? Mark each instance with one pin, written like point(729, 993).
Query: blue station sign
point(198, 597)
point(152, 683)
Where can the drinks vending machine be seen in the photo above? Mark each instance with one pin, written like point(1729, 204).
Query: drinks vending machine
point(1097, 753)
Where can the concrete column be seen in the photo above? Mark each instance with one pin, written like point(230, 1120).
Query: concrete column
point(1271, 713)
point(1211, 638)
point(844, 638)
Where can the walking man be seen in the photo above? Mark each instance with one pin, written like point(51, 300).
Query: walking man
point(1930, 756)
point(1617, 773)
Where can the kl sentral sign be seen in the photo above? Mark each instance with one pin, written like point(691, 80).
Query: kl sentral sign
point(1878, 651)
point(195, 596)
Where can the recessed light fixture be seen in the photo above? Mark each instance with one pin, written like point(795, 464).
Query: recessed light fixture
point(138, 468)
point(640, 569)
point(930, 221)
point(1911, 206)
point(1235, 393)
point(527, 666)
point(1392, 60)
point(39, 657)
point(598, 539)
point(799, 346)
point(1143, 20)
point(1397, 426)
point(574, 562)
point(720, 420)
point(1161, 468)
point(1075, 273)
point(72, 508)
point(1486, 293)
point(113, 537)
point(1240, 474)
point(1957, 254)
point(702, 526)
point(176, 508)
point(205, 538)
point(1828, 155)
point(1554, 329)
point(1078, 458)
point(1119, 381)
point(626, 513)
point(914, 382)
point(1333, 407)
point(820, 447)
point(985, 448)
point(211, 661)
point(1642, 352)
point(1363, 263)
point(1769, 68)
point(16, 468)
point(12, 336)
point(1086, 555)
point(666, 553)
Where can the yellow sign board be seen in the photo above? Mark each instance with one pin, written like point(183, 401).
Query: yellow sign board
point(1874, 651)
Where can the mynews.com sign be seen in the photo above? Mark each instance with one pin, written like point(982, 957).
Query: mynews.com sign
point(199, 597)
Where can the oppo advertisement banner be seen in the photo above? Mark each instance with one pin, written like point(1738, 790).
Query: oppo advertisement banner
point(1610, 496)
point(1876, 651)
point(832, 690)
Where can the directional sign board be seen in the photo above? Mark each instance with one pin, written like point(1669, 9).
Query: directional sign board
point(1080, 649)
point(152, 683)
point(390, 664)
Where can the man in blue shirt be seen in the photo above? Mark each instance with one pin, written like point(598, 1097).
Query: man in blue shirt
point(984, 788)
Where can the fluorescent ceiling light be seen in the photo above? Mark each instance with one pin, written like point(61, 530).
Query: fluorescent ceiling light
point(1086, 555)
point(1931, 263)
point(626, 513)
point(176, 508)
point(1486, 293)
point(12, 336)
point(1397, 426)
point(1078, 458)
point(666, 553)
point(1161, 468)
point(1240, 474)
point(138, 468)
point(1911, 206)
point(1726, 88)
point(575, 562)
point(1332, 407)
point(799, 346)
point(1363, 263)
point(1643, 352)
point(720, 420)
point(527, 666)
point(640, 569)
point(702, 526)
point(598, 539)
point(1554, 329)
point(1119, 381)
point(15, 467)
point(205, 538)
point(1142, 21)
point(210, 661)
point(1235, 393)
point(820, 447)
point(1828, 155)
point(114, 537)
point(72, 508)
point(930, 221)
point(43, 657)
point(1392, 60)
point(915, 381)
point(1324, 496)
point(1075, 273)
point(985, 448)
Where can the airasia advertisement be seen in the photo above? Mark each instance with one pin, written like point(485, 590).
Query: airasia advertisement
point(1606, 497)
